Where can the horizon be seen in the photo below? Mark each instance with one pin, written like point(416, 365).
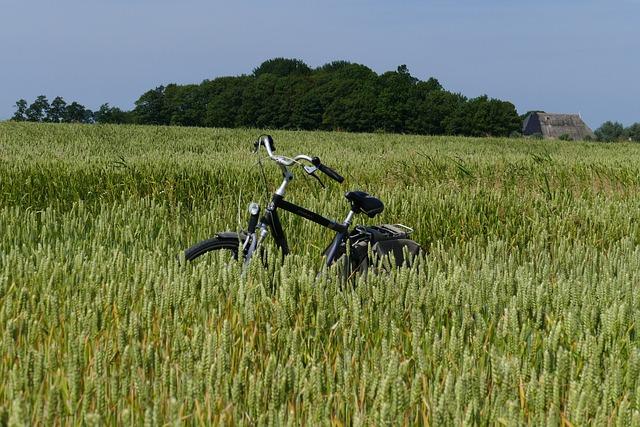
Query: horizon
point(535, 58)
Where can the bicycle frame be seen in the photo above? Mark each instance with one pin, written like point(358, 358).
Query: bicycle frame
point(270, 221)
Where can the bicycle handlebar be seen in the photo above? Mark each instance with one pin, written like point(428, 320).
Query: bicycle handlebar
point(268, 143)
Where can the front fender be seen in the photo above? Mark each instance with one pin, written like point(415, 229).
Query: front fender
point(232, 236)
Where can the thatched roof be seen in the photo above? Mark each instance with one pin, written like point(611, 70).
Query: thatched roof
point(552, 125)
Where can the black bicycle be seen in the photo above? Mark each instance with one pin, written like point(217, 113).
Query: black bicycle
point(359, 247)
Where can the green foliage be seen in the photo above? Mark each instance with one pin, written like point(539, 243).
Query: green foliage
point(21, 111)
point(565, 137)
point(525, 312)
point(38, 110)
point(286, 94)
point(483, 117)
point(223, 99)
point(393, 99)
point(282, 67)
point(183, 105)
point(56, 112)
point(610, 131)
point(150, 108)
point(77, 113)
point(111, 115)
point(614, 131)
point(349, 99)
point(632, 133)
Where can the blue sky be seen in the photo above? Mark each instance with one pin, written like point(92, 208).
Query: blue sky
point(558, 56)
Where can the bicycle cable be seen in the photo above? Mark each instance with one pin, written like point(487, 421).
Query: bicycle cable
point(264, 177)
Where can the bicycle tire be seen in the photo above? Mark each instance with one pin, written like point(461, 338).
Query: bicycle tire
point(214, 244)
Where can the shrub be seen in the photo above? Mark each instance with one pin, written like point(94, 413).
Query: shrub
point(610, 131)
point(515, 134)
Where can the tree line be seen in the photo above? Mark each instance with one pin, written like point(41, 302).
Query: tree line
point(288, 94)
point(59, 111)
point(615, 131)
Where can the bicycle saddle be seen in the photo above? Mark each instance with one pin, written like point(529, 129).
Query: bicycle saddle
point(362, 202)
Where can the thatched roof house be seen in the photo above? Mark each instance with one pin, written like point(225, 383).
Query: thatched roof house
point(551, 125)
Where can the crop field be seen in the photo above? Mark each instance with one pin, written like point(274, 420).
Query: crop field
point(526, 310)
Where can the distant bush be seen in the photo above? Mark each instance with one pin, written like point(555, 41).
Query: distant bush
point(515, 134)
point(610, 131)
point(565, 137)
point(632, 133)
point(58, 111)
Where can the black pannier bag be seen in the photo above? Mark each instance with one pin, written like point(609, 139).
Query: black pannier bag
point(389, 243)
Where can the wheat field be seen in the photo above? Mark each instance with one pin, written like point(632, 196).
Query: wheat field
point(525, 311)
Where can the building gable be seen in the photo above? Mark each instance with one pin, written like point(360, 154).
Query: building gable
point(552, 125)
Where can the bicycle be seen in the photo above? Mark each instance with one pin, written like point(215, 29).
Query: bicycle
point(360, 247)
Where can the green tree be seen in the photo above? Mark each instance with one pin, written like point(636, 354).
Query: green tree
point(632, 133)
point(610, 131)
point(111, 115)
point(77, 113)
point(21, 110)
point(419, 117)
point(224, 100)
point(257, 100)
point(288, 90)
point(282, 67)
point(333, 66)
point(348, 97)
point(150, 108)
point(57, 110)
point(482, 116)
point(38, 110)
point(461, 120)
point(429, 86)
point(307, 111)
point(504, 118)
point(393, 106)
point(183, 105)
point(268, 101)
point(432, 113)
point(355, 113)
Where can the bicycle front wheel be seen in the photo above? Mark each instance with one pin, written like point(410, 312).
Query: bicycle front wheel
point(227, 241)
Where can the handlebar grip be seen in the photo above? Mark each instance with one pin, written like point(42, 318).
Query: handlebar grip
point(330, 173)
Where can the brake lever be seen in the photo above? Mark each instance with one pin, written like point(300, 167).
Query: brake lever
point(316, 177)
point(310, 170)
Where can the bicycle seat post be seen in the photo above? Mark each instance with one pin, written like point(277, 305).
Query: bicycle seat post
point(347, 220)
